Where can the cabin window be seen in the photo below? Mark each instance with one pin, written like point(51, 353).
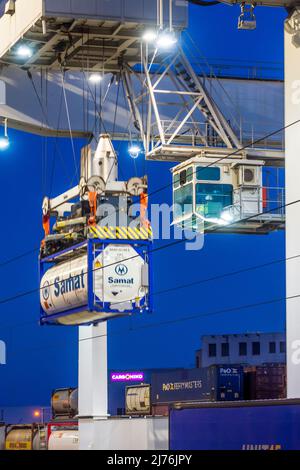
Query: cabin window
point(211, 199)
point(183, 200)
point(185, 176)
point(208, 173)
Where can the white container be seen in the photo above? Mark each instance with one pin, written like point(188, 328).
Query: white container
point(65, 402)
point(118, 280)
point(64, 440)
point(2, 437)
point(138, 400)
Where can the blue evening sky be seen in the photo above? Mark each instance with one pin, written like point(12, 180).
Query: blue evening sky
point(42, 358)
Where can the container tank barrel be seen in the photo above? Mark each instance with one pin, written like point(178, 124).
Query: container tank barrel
point(64, 440)
point(64, 402)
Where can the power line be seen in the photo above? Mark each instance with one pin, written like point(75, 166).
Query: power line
point(22, 294)
point(18, 257)
point(216, 161)
point(201, 315)
point(183, 319)
point(205, 280)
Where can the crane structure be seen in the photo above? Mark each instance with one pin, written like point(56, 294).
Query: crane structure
point(175, 116)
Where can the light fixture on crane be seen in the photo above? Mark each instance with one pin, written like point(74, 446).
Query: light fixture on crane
point(24, 51)
point(95, 78)
point(134, 151)
point(166, 40)
point(149, 36)
point(163, 39)
point(4, 140)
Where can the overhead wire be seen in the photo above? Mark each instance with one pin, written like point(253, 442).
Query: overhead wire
point(204, 3)
point(213, 163)
point(205, 280)
point(178, 320)
point(155, 250)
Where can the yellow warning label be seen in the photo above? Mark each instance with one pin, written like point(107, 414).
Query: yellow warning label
point(121, 233)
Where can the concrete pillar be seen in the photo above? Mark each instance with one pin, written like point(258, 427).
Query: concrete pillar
point(292, 156)
point(92, 380)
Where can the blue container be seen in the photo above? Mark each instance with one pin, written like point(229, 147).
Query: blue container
point(192, 385)
point(230, 383)
point(265, 425)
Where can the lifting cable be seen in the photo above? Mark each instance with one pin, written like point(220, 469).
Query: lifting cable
point(57, 149)
point(69, 124)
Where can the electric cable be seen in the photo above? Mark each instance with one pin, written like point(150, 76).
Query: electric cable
point(38, 289)
point(210, 279)
point(195, 316)
point(200, 315)
point(204, 3)
point(170, 184)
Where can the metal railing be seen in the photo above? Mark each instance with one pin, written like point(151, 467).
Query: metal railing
point(268, 205)
point(248, 133)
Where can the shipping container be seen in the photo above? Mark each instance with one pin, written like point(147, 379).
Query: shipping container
point(64, 403)
point(265, 382)
point(249, 383)
point(271, 382)
point(138, 400)
point(58, 425)
point(160, 410)
point(65, 439)
point(2, 436)
point(192, 385)
point(258, 425)
point(26, 437)
point(229, 383)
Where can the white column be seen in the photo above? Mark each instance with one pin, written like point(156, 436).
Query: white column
point(92, 381)
point(292, 156)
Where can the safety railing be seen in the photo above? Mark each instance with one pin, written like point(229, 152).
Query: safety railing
point(253, 135)
point(265, 203)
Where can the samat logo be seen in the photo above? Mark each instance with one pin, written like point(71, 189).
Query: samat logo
point(121, 270)
point(46, 290)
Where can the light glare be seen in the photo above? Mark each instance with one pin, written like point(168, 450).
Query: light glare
point(24, 51)
point(226, 217)
point(149, 36)
point(4, 143)
point(95, 78)
point(134, 151)
point(166, 40)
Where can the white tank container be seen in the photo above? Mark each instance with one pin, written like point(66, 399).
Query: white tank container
point(65, 402)
point(2, 437)
point(138, 400)
point(40, 439)
point(117, 278)
point(64, 440)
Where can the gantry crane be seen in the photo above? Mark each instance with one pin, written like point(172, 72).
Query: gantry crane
point(51, 38)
